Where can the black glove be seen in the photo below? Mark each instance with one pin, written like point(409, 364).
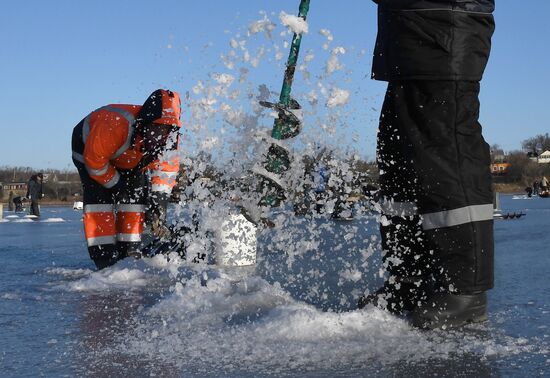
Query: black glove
point(156, 214)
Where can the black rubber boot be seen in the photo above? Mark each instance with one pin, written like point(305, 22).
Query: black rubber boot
point(398, 297)
point(446, 310)
point(128, 249)
point(103, 262)
point(103, 255)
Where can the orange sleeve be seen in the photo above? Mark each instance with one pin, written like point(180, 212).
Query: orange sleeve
point(108, 133)
point(164, 171)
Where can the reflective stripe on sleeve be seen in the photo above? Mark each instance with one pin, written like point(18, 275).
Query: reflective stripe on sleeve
point(455, 217)
point(112, 182)
point(86, 128)
point(78, 157)
point(131, 120)
point(98, 172)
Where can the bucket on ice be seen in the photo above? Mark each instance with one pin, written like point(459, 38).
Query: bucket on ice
point(235, 242)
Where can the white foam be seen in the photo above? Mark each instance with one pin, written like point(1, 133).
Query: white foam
point(249, 324)
point(12, 216)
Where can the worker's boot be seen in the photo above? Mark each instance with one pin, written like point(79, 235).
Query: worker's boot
point(103, 255)
point(447, 310)
point(398, 295)
point(128, 249)
point(102, 262)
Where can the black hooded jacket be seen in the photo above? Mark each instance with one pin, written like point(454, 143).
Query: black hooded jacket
point(433, 39)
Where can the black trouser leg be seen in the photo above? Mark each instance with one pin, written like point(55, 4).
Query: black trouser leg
point(35, 209)
point(406, 256)
point(430, 129)
point(131, 214)
point(99, 220)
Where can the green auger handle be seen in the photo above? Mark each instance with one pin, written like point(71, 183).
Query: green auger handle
point(285, 126)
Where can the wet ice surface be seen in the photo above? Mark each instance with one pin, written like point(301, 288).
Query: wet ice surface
point(156, 318)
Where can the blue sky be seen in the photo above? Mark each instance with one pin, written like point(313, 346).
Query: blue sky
point(61, 59)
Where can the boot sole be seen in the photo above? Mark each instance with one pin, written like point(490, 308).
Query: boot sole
point(474, 315)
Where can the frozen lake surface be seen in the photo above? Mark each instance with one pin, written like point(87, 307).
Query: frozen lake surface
point(294, 314)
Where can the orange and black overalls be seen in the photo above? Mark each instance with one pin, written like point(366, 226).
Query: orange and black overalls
point(105, 146)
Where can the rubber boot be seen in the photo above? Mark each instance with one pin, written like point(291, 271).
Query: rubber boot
point(103, 262)
point(103, 255)
point(398, 295)
point(128, 249)
point(446, 310)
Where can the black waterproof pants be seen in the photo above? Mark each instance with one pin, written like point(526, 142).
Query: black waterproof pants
point(437, 212)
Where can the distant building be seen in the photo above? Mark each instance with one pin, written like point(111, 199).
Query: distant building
point(18, 189)
point(500, 168)
point(499, 157)
point(544, 158)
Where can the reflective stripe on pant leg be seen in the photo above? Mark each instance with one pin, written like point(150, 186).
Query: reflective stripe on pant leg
point(455, 217)
point(129, 222)
point(99, 224)
point(452, 161)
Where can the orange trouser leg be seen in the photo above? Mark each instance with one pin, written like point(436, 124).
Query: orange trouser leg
point(100, 231)
point(129, 226)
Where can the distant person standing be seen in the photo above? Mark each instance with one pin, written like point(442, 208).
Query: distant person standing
point(35, 193)
point(10, 202)
point(544, 184)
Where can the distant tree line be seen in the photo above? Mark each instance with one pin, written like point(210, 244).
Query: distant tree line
point(60, 185)
point(537, 144)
